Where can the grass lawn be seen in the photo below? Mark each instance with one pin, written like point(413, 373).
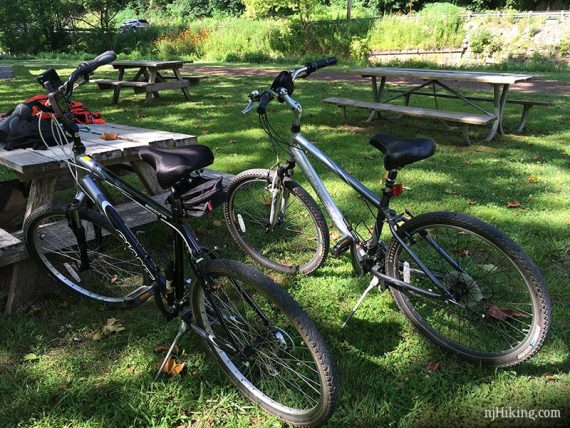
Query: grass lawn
point(53, 374)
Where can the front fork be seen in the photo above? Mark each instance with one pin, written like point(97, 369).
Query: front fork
point(279, 193)
point(73, 216)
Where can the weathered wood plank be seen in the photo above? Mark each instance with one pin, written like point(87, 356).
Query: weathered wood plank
point(41, 193)
point(473, 98)
point(467, 118)
point(151, 64)
point(172, 84)
point(12, 248)
point(463, 76)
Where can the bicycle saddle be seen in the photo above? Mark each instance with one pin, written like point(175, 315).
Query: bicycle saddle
point(172, 165)
point(399, 152)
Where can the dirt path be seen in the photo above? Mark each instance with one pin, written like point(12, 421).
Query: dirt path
point(554, 87)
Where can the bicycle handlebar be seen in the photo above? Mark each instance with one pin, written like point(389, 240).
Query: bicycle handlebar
point(321, 63)
point(264, 99)
point(285, 81)
point(89, 67)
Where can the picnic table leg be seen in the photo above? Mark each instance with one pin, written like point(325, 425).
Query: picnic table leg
point(117, 89)
point(28, 282)
point(184, 88)
point(524, 118)
point(499, 100)
point(147, 176)
point(152, 80)
point(377, 93)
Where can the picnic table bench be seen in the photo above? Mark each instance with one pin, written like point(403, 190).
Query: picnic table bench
point(149, 79)
point(43, 168)
point(500, 82)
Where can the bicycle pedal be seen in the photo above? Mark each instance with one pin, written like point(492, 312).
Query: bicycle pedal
point(141, 293)
point(341, 246)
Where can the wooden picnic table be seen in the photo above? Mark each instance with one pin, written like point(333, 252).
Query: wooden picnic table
point(439, 80)
point(43, 168)
point(149, 78)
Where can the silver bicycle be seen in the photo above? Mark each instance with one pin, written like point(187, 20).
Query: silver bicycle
point(462, 283)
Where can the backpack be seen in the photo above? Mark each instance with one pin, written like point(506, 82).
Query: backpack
point(19, 129)
point(81, 113)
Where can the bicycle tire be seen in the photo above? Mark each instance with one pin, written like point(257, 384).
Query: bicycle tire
point(289, 352)
point(500, 288)
point(280, 250)
point(114, 271)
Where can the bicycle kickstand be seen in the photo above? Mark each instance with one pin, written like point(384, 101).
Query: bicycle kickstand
point(373, 283)
point(181, 330)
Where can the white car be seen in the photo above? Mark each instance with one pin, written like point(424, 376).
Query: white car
point(134, 25)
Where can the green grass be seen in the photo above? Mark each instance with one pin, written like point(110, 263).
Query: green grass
point(382, 361)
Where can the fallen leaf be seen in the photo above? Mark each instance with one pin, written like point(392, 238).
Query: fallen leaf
point(266, 203)
point(450, 192)
point(532, 178)
point(514, 204)
point(462, 252)
point(114, 278)
point(98, 335)
point(433, 366)
point(108, 136)
point(30, 357)
point(232, 141)
point(492, 311)
point(218, 223)
point(472, 202)
point(515, 313)
point(567, 221)
point(334, 235)
point(549, 377)
point(368, 157)
point(537, 157)
point(112, 326)
point(163, 347)
point(172, 367)
point(131, 369)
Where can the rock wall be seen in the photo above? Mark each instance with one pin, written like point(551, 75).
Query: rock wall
point(495, 39)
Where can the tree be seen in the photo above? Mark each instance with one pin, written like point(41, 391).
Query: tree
point(100, 13)
point(29, 26)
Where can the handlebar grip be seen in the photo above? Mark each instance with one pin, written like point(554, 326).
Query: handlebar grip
point(89, 67)
point(321, 63)
point(264, 100)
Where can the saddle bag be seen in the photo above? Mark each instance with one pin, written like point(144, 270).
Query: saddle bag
point(202, 196)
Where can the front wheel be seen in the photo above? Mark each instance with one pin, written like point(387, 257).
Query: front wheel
point(503, 309)
point(112, 272)
point(281, 362)
point(297, 241)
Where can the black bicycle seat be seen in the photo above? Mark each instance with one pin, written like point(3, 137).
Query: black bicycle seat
point(399, 152)
point(172, 165)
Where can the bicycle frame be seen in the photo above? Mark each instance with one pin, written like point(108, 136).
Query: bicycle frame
point(184, 235)
point(299, 145)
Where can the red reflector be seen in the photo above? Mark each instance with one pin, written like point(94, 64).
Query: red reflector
point(397, 189)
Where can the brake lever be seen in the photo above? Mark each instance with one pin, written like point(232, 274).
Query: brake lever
point(248, 108)
point(253, 97)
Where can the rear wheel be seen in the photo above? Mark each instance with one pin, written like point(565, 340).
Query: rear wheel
point(298, 242)
point(504, 311)
point(282, 362)
point(113, 271)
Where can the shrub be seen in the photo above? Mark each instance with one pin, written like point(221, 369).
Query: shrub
point(480, 40)
point(438, 25)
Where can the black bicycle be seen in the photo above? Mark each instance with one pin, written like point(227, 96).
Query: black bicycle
point(462, 283)
point(260, 336)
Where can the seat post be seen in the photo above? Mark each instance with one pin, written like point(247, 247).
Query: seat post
point(387, 192)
